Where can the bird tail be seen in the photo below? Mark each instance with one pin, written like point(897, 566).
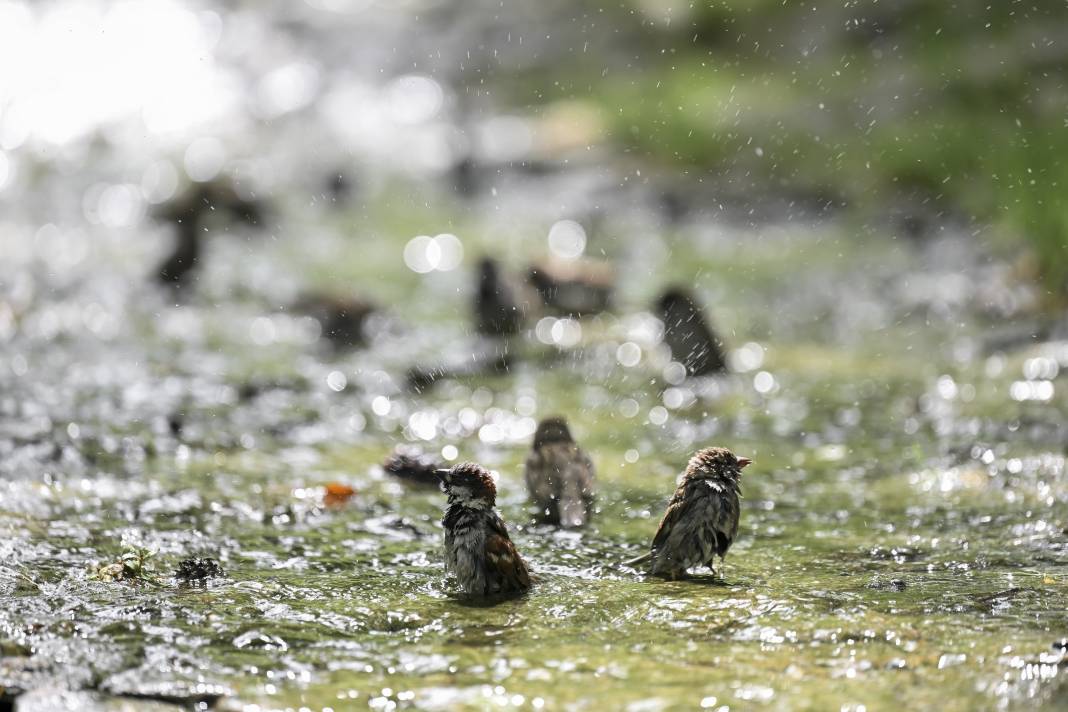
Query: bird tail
point(572, 505)
point(639, 559)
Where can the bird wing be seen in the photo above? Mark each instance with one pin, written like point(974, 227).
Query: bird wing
point(576, 486)
point(726, 521)
point(539, 485)
point(676, 508)
point(503, 561)
point(588, 475)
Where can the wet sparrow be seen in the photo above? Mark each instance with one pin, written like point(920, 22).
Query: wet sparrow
point(692, 341)
point(192, 212)
point(411, 464)
point(343, 318)
point(576, 287)
point(701, 521)
point(478, 550)
point(559, 475)
point(497, 311)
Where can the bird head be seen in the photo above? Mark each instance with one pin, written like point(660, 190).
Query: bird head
point(469, 484)
point(716, 463)
point(675, 302)
point(552, 430)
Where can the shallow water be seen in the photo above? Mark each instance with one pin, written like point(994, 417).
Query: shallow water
point(903, 537)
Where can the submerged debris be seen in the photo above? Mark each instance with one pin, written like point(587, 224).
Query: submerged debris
point(880, 584)
point(134, 565)
point(413, 465)
point(196, 569)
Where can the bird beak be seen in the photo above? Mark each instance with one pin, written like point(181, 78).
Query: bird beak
point(443, 475)
point(743, 461)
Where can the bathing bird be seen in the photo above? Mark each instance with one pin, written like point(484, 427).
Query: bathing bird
point(191, 212)
point(691, 339)
point(559, 475)
point(478, 550)
point(497, 311)
point(701, 521)
point(574, 287)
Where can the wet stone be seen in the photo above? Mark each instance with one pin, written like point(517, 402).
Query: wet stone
point(263, 641)
point(881, 584)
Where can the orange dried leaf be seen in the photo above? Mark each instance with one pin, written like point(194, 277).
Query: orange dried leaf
point(337, 494)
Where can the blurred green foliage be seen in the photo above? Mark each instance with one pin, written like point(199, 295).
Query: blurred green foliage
point(959, 105)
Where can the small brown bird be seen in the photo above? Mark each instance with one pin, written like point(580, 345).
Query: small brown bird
point(701, 521)
point(190, 212)
point(576, 287)
point(413, 465)
point(481, 364)
point(497, 311)
point(692, 341)
point(478, 550)
point(341, 317)
point(559, 475)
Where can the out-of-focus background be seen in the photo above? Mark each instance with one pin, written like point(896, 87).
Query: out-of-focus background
point(239, 248)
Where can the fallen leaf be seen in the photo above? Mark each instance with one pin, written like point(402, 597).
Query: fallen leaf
point(337, 494)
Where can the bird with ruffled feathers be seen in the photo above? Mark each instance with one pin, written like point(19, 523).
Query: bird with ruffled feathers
point(701, 521)
point(478, 550)
point(687, 333)
point(559, 475)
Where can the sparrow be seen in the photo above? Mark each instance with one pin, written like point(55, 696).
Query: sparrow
point(692, 341)
point(575, 287)
point(342, 318)
point(559, 475)
point(480, 364)
point(497, 312)
point(190, 213)
point(701, 521)
point(175, 269)
point(478, 550)
point(412, 465)
point(339, 186)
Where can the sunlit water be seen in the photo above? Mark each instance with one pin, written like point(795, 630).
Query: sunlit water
point(903, 533)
